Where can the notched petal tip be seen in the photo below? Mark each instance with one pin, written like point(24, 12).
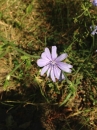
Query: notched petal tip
point(48, 54)
point(65, 67)
point(43, 56)
point(70, 66)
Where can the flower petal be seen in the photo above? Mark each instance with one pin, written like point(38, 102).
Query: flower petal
point(42, 62)
point(49, 70)
point(43, 56)
point(61, 57)
point(61, 76)
point(54, 52)
point(48, 54)
point(94, 2)
point(57, 72)
point(44, 69)
point(64, 66)
point(52, 74)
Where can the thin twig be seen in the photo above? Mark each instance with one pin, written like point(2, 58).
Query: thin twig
point(31, 103)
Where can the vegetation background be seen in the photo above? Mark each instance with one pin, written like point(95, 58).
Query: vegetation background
point(29, 101)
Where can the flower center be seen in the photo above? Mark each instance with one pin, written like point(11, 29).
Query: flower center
point(53, 62)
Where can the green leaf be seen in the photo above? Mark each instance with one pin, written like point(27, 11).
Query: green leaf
point(6, 84)
point(1, 15)
point(66, 99)
point(29, 8)
point(24, 57)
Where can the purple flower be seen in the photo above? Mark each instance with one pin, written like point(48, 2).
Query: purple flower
point(53, 65)
point(94, 2)
point(93, 29)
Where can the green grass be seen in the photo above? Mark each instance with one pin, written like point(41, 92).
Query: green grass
point(26, 28)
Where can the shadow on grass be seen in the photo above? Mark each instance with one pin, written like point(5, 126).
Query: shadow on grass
point(22, 109)
point(56, 14)
point(60, 16)
point(17, 113)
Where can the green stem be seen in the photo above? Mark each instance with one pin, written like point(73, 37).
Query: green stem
point(93, 41)
point(21, 51)
point(15, 69)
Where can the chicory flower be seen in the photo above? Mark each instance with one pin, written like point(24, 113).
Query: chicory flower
point(94, 2)
point(93, 29)
point(53, 65)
